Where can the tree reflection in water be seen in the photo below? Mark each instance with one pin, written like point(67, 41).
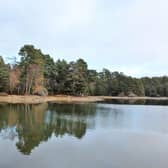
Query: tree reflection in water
point(33, 124)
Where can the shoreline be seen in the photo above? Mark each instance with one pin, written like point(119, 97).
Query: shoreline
point(17, 99)
point(32, 99)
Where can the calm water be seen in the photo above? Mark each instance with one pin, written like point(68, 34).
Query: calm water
point(83, 136)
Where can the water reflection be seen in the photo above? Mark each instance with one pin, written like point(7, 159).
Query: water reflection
point(137, 101)
point(30, 125)
point(33, 124)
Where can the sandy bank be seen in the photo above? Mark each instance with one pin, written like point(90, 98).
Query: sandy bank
point(38, 99)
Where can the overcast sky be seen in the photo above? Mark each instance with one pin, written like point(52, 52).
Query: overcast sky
point(123, 35)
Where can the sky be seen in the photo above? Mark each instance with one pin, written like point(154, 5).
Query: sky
point(129, 36)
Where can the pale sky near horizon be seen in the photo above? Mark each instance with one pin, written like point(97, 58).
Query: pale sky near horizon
point(122, 35)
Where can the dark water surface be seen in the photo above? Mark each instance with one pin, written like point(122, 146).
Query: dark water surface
point(93, 135)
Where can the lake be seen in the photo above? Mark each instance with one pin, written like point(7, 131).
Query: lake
point(94, 135)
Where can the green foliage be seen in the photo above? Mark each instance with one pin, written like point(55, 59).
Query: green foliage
point(92, 79)
point(4, 76)
point(30, 55)
point(50, 73)
point(76, 81)
point(156, 86)
point(115, 83)
point(61, 76)
point(32, 68)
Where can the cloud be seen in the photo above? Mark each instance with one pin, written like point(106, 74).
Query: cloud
point(121, 35)
point(136, 36)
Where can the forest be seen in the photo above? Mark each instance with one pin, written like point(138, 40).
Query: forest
point(37, 73)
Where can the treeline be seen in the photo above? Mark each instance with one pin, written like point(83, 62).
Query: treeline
point(37, 73)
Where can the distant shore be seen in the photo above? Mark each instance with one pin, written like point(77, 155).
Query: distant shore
point(14, 99)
